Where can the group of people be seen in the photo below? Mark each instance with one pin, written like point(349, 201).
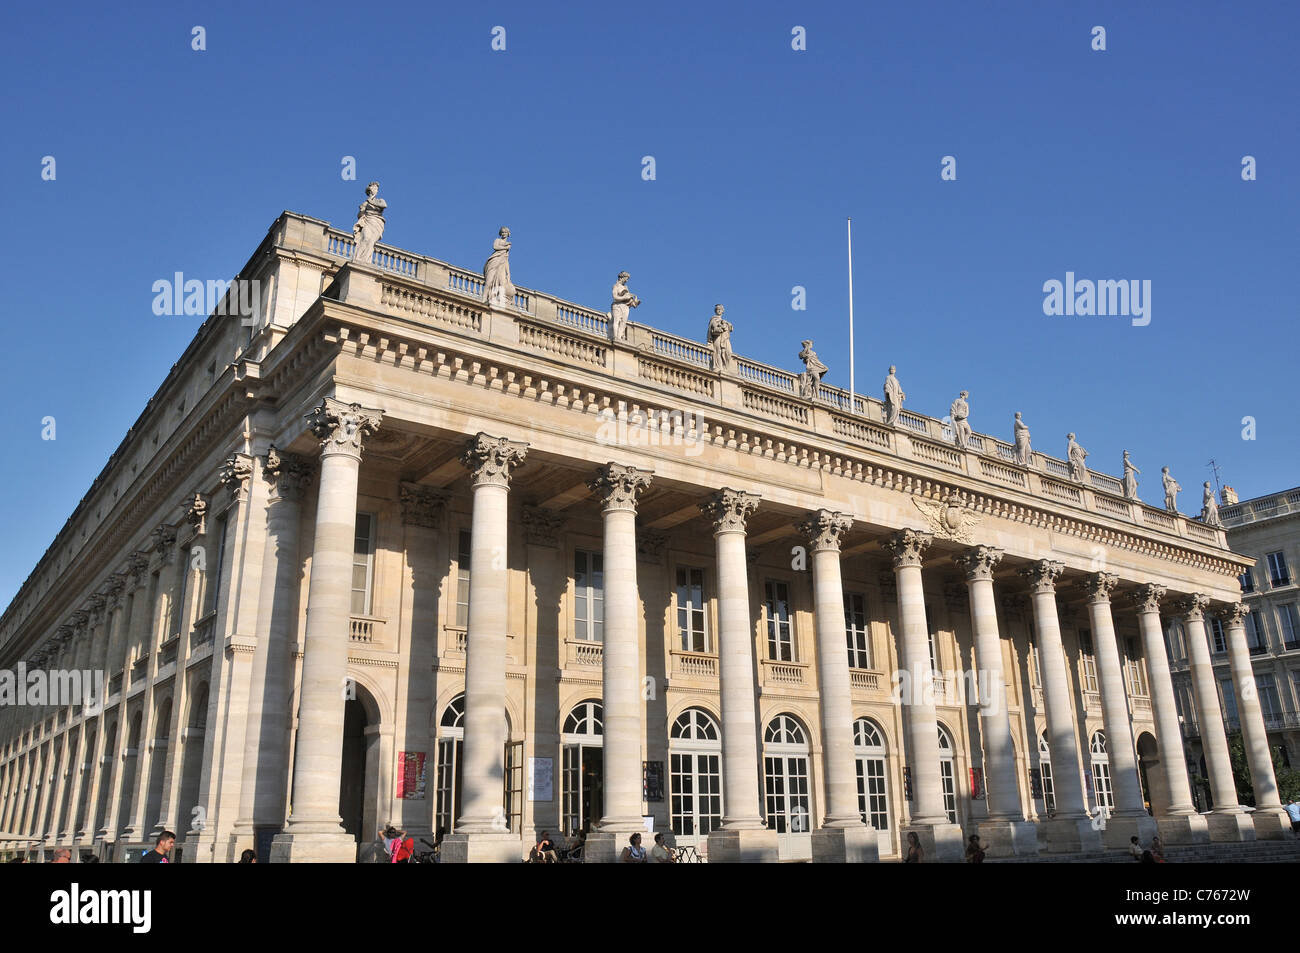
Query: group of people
point(1155, 854)
point(660, 853)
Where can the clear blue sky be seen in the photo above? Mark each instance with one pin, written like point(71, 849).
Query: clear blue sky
point(1116, 164)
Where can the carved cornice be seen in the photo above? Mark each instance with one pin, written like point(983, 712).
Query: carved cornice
point(490, 460)
point(1147, 597)
point(618, 486)
point(978, 562)
point(1098, 586)
point(341, 427)
point(542, 527)
point(1192, 606)
point(1043, 574)
point(421, 505)
point(907, 546)
point(824, 529)
point(729, 509)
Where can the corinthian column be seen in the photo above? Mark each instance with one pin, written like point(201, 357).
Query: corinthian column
point(1071, 829)
point(1227, 821)
point(940, 838)
point(1180, 824)
point(1006, 831)
point(315, 830)
point(1130, 818)
point(1271, 821)
point(482, 832)
point(618, 487)
point(842, 838)
point(743, 835)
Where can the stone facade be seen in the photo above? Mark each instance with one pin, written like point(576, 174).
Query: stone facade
point(398, 553)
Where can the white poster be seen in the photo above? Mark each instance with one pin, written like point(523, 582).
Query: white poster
point(540, 773)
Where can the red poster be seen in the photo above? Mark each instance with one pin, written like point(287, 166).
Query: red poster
point(410, 775)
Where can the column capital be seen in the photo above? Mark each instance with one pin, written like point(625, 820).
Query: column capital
point(729, 510)
point(235, 472)
point(162, 540)
point(1099, 586)
point(1148, 596)
point(978, 562)
point(341, 427)
point(137, 565)
point(542, 526)
point(196, 508)
point(1193, 606)
point(490, 459)
point(1043, 574)
point(287, 473)
point(906, 546)
point(114, 588)
point(1232, 613)
point(824, 528)
point(619, 485)
point(421, 505)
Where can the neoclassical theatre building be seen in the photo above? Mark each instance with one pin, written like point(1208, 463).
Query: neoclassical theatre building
point(411, 544)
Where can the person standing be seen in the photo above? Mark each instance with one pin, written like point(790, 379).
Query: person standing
point(974, 850)
point(1293, 812)
point(166, 840)
point(915, 854)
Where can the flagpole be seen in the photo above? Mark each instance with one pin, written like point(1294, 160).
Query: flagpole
point(852, 399)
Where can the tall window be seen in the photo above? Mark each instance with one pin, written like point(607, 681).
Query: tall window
point(856, 631)
point(1045, 771)
point(780, 641)
point(589, 596)
point(1218, 643)
point(1133, 663)
point(462, 578)
point(1174, 642)
point(1101, 771)
point(1256, 640)
point(934, 641)
point(785, 776)
point(873, 789)
point(363, 564)
point(695, 754)
point(1035, 673)
point(450, 734)
point(1278, 573)
point(948, 774)
point(1229, 699)
point(1247, 580)
point(1288, 624)
point(1087, 660)
point(214, 580)
point(182, 592)
point(582, 767)
point(691, 626)
point(1269, 702)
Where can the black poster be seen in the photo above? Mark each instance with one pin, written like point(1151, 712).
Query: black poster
point(653, 780)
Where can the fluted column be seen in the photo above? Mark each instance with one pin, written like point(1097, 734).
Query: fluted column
point(1071, 829)
point(1269, 818)
point(481, 830)
point(314, 830)
point(618, 487)
point(843, 837)
point(1164, 709)
point(1227, 821)
point(743, 835)
point(266, 740)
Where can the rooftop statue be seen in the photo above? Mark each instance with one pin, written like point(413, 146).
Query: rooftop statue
point(1075, 455)
point(1171, 490)
point(1130, 478)
point(497, 288)
point(959, 413)
point(1209, 508)
point(894, 397)
point(369, 227)
point(1023, 451)
point(619, 307)
point(814, 369)
point(720, 339)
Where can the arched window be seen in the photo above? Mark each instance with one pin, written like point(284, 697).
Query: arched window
point(1101, 771)
point(1045, 771)
point(873, 787)
point(695, 756)
point(785, 776)
point(948, 774)
point(451, 736)
point(582, 766)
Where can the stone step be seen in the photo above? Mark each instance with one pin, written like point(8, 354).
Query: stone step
point(1248, 852)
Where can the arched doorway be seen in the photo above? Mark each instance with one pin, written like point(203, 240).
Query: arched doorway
point(352, 781)
point(1155, 790)
point(786, 798)
point(447, 783)
point(582, 767)
point(948, 774)
point(1105, 800)
point(1046, 793)
point(873, 780)
point(695, 756)
point(192, 762)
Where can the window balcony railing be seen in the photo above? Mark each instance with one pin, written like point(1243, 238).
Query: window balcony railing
point(783, 673)
point(584, 653)
point(1092, 702)
point(204, 631)
point(1258, 649)
point(694, 665)
point(366, 630)
point(167, 651)
point(1141, 705)
point(867, 681)
point(115, 685)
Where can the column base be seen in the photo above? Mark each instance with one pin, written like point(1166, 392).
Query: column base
point(743, 846)
point(1071, 835)
point(846, 845)
point(314, 848)
point(1230, 826)
point(1183, 829)
point(941, 843)
point(483, 847)
point(1008, 838)
point(1119, 828)
point(1271, 824)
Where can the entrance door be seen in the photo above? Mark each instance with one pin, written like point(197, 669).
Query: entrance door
point(352, 784)
point(584, 794)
